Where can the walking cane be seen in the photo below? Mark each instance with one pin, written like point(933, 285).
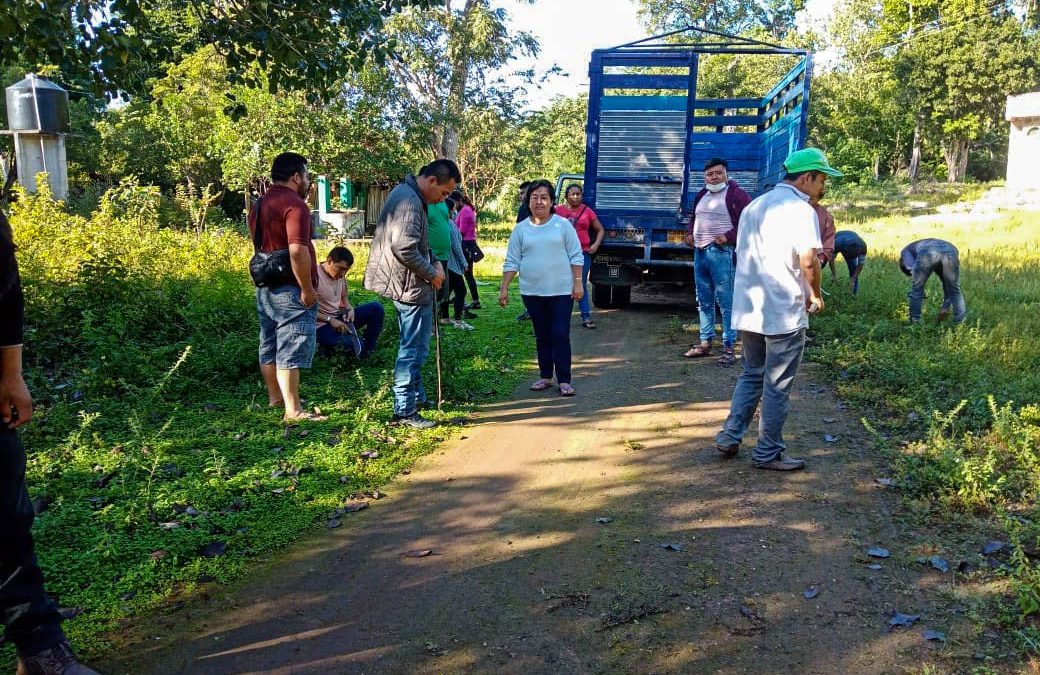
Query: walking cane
point(437, 337)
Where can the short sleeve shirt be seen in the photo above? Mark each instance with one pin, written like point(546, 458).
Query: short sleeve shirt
point(769, 289)
point(438, 230)
point(330, 293)
point(581, 218)
point(286, 219)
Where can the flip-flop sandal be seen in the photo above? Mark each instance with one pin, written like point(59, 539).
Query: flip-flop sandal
point(306, 417)
point(698, 352)
point(588, 324)
point(541, 385)
point(567, 390)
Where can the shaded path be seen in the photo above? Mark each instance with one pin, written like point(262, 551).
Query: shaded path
point(524, 579)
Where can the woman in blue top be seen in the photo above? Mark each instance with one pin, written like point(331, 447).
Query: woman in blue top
point(544, 250)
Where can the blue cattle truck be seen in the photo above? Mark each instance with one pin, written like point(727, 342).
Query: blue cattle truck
point(648, 136)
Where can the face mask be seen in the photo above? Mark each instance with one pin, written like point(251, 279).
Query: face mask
point(716, 188)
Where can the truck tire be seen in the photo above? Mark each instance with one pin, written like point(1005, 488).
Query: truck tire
point(601, 296)
point(621, 296)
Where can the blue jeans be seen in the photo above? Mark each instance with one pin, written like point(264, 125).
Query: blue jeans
point(942, 259)
point(415, 323)
point(368, 319)
point(713, 271)
point(770, 364)
point(551, 319)
point(287, 327)
point(583, 305)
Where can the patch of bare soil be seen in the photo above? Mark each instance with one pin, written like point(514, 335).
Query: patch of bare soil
point(597, 534)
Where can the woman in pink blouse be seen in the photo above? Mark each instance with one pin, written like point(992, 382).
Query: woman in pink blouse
point(466, 221)
point(590, 234)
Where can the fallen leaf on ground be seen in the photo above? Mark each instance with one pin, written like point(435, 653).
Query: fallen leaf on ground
point(333, 523)
point(239, 437)
point(603, 520)
point(829, 439)
point(878, 552)
point(811, 592)
point(874, 566)
point(158, 555)
point(354, 507)
point(887, 482)
point(304, 433)
point(671, 547)
point(899, 619)
point(214, 549)
point(417, 553)
point(939, 564)
point(934, 636)
point(991, 547)
point(829, 420)
point(170, 525)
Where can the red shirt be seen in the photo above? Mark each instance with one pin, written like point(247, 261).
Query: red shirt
point(581, 218)
point(286, 219)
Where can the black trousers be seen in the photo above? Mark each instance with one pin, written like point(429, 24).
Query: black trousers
point(30, 618)
point(453, 292)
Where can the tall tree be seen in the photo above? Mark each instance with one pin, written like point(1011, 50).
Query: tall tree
point(775, 17)
point(297, 45)
point(445, 65)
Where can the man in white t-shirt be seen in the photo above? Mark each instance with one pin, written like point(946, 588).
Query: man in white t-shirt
point(777, 286)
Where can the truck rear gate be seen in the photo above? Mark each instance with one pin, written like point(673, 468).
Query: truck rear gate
point(648, 136)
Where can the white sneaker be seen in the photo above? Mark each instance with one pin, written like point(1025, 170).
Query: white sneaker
point(462, 325)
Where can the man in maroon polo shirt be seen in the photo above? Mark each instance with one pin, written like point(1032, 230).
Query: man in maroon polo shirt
point(287, 312)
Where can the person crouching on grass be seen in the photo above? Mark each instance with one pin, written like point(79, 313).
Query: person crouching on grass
point(339, 322)
point(544, 250)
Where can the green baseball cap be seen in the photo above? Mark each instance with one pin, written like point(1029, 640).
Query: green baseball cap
point(809, 159)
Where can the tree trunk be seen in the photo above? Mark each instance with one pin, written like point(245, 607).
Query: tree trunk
point(955, 152)
point(877, 167)
point(915, 153)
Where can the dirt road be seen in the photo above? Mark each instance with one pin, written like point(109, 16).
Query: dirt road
point(524, 579)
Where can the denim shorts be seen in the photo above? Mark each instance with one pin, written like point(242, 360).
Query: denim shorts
point(287, 327)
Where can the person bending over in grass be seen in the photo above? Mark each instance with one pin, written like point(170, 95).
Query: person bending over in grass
point(777, 283)
point(544, 250)
point(287, 311)
point(30, 618)
point(339, 322)
point(918, 260)
point(854, 250)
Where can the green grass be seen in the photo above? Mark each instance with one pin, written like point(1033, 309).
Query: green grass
point(153, 438)
point(954, 406)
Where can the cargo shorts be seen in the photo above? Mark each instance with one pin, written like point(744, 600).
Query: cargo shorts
point(287, 327)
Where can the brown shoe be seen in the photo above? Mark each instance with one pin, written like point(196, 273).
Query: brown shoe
point(728, 450)
point(58, 660)
point(781, 463)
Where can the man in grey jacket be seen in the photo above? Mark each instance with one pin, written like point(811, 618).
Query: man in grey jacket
point(400, 268)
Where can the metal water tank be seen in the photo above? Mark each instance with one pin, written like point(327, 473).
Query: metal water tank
point(37, 104)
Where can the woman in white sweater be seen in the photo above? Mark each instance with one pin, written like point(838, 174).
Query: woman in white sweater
point(544, 250)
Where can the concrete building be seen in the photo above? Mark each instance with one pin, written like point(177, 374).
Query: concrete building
point(1023, 170)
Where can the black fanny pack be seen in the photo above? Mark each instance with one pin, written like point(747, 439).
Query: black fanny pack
point(268, 269)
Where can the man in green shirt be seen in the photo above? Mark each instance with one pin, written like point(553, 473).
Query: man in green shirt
point(438, 232)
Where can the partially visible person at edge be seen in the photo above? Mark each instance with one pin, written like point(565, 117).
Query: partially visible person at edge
point(590, 235)
point(522, 214)
point(456, 295)
point(544, 250)
point(30, 618)
point(288, 313)
point(777, 285)
point(712, 233)
point(466, 221)
point(401, 268)
point(340, 323)
point(827, 231)
point(918, 261)
point(854, 250)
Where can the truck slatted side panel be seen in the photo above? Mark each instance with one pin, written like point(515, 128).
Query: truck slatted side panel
point(641, 143)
